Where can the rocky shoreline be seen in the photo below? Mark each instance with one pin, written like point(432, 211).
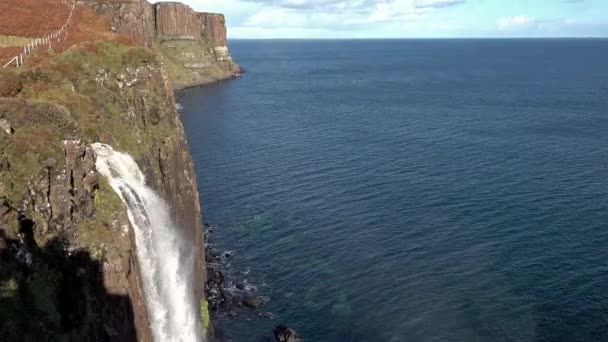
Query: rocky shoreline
point(225, 295)
point(230, 295)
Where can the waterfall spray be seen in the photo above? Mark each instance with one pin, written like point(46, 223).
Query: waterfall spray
point(165, 258)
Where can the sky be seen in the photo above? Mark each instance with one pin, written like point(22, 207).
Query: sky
point(409, 18)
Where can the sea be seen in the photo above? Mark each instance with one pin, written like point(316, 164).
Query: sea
point(411, 190)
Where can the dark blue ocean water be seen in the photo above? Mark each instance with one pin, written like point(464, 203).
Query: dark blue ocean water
point(425, 190)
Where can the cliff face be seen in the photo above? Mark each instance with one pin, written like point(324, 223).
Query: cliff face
point(67, 254)
point(192, 45)
point(176, 21)
point(214, 30)
point(134, 18)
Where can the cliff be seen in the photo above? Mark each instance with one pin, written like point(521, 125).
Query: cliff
point(191, 45)
point(67, 264)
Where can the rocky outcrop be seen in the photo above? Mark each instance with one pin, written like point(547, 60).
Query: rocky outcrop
point(213, 27)
point(193, 45)
point(135, 18)
point(175, 20)
point(6, 126)
point(75, 245)
point(285, 334)
point(214, 30)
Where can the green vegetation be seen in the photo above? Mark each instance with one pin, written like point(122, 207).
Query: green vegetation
point(13, 41)
point(96, 91)
point(176, 54)
point(38, 141)
point(205, 321)
point(96, 235)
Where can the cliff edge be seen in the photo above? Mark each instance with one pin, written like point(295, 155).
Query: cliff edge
point(68, 268)
point(191, 45)
point(67, 249)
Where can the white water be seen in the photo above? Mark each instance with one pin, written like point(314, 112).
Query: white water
point(165, 258)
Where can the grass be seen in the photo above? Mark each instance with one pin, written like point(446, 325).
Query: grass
point(13, 41)
point(176, 54)
point(41, 127)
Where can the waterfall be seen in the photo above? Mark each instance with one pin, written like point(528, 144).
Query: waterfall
point(165, 258)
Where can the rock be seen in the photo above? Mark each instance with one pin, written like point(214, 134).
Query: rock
point(251, 301)
point(227, 255)
point(203, 37)
point(285, 334)
point(176, 20)
point(134, 18)
point(5, 165)
point(213, 28)
point(50, 163)
point(6, 126)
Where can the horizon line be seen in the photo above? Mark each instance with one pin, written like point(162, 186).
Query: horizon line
point(426, 38)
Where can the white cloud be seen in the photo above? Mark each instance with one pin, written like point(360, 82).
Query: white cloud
point(395, 11)
point(275, 17)
point(517, 22)
point(326, 17)
point(390, 18)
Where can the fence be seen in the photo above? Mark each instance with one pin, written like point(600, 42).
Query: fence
point(44, 41)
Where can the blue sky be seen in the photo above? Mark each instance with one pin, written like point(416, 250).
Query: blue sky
point(410, 18)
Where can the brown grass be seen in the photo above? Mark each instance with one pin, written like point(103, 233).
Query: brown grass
point(10, 83)
point(9, 52)
point(86, 25)
point(31, 18)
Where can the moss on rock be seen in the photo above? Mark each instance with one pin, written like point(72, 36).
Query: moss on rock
point(205, 320)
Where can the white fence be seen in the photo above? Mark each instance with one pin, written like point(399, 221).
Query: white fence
point(44, 41)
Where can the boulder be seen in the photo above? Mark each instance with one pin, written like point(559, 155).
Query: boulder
point(285, 334)
point(6, 126)
point(251, 301)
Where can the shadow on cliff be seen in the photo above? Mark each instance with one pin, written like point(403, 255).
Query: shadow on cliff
point(50, 293)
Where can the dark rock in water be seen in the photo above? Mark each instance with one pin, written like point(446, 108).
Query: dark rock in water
point(227, 255)
point(251, 301)
point(224, 296)
point(285, 334)
point(237, 302)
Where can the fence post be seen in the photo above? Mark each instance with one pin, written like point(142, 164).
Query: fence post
point(33, 44)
